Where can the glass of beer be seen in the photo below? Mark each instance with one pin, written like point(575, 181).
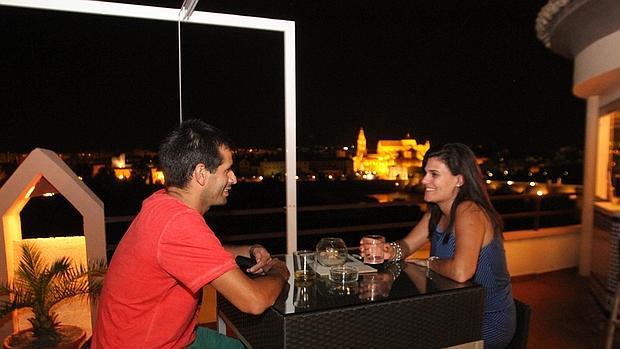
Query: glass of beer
point(303, 262)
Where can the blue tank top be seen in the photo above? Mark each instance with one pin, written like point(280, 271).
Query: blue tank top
point(492, 273)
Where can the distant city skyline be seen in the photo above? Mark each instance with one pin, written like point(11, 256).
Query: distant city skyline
point(467, 72)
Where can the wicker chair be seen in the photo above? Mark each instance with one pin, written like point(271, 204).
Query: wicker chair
point(524, 312)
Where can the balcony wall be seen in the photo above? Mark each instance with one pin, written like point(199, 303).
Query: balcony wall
point(538, 251)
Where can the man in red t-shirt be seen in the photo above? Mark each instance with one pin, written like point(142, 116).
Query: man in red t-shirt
point(154, 282)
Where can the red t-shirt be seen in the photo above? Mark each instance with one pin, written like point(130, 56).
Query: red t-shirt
point(152, 288)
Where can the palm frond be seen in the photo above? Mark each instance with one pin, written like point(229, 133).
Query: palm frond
point(41, 286)
point(30, 266)
point(77, 281)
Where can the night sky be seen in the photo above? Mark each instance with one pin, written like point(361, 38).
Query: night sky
point(466, 71)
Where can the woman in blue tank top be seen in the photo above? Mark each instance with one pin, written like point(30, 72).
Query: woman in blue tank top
point(465, 233)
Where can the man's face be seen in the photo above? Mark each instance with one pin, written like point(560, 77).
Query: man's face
point(220, 182)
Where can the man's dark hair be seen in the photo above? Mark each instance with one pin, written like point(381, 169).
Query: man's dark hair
point(192, 143)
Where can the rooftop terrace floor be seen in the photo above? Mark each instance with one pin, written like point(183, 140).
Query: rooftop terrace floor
point(564, 312)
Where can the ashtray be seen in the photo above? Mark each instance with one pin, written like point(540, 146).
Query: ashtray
point(343, 274)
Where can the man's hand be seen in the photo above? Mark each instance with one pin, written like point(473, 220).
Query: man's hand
point(278, 267)
point(263, 259)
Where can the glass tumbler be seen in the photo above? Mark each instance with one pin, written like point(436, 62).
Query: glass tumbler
point(372, 249)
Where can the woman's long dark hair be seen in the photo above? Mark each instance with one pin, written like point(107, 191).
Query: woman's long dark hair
point(460, 160)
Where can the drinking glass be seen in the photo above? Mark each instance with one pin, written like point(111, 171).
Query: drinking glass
point(303, 263)
point(343, 274)
point(372, 249)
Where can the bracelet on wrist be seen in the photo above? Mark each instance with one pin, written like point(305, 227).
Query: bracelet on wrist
point(394, 268)
point(398, 251)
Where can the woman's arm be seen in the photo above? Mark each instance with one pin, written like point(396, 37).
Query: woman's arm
point(413, 241)
point(470, 228)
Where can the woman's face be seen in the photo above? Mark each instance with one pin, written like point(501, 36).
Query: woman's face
point(441, 186)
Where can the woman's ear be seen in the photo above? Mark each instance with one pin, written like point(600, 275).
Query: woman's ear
point(459, 180)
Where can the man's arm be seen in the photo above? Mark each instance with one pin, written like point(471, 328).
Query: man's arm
point(238, 250)
point(255, 295)
point(258, 252)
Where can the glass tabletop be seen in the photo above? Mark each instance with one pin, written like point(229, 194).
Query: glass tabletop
point(391, 281)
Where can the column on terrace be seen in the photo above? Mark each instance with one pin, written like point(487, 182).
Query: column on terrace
point(589, 184)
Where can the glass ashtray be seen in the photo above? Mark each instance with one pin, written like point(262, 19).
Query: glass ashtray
point(343, 274)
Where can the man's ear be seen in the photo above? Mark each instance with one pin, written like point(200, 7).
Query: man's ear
point(201, 174)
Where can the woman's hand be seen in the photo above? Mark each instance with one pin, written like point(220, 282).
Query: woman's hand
point(388, 250)
point(263, 259)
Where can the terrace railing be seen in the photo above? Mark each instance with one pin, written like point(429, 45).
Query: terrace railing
point(520, 212)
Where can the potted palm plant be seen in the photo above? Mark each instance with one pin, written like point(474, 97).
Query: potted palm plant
point(41, 286)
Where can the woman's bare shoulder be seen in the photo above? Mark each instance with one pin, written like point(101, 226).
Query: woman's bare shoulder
point(468, 207)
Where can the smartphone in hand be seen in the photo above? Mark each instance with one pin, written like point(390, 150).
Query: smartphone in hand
point(245, 263)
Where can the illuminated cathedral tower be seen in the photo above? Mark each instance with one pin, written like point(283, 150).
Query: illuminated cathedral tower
point(394, 159)
point(361, 144)
point(361, 152)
